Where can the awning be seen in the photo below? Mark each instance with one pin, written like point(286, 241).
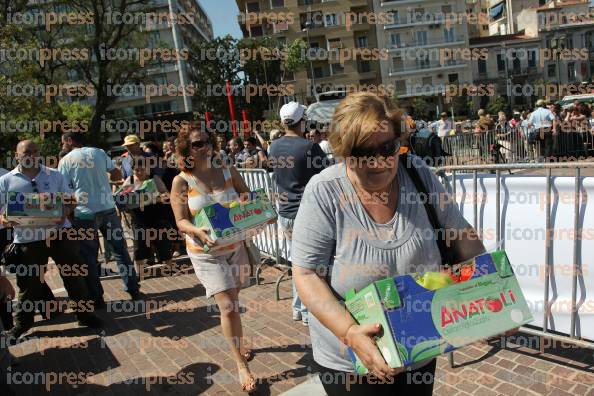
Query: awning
point(496, 11)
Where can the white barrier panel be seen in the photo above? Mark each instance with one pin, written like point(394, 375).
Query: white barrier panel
point(523, 233)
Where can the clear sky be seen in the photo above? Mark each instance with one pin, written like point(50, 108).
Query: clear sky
point(223, 15)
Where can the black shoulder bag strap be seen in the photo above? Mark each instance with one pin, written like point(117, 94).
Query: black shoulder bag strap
point(444, 251)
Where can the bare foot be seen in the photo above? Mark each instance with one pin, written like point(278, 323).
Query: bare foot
point(246, 379)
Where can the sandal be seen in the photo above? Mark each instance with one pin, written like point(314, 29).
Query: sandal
point(248, 382)
point(248, 355)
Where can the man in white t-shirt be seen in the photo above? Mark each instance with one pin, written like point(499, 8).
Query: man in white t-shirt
point(543, 120)
point(444, 126)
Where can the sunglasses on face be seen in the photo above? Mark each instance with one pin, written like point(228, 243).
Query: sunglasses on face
point(198, 144)
point(385, 150)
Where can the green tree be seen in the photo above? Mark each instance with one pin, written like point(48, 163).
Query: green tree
point(497, 104)
point(97, 69)
point(212, 64)
point(421, 108)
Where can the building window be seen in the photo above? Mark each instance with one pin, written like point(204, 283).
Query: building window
point(422, 37)
point(552, 70)
point(314, 18)
point(319, 72)
point(401, 87)
point(397, 64)
point(418, 15)
point(330, 20)
point(500, 63)
point(253, 7)
point(571, 75)
point(280, 27)
point(448, 35)
point(362, 42)
point(446, 9)
point(336, 68)
point(482, 67)
point(427, 81)
point(277, 3)
point(256, 31)
point(334, 44)
point(160, 80)
point(289, 76)
point(453, 78)
point(496, 12)
point(569, 42)
point(364, 66)
point(532, 59)
point(395, 16)
point(395, 40)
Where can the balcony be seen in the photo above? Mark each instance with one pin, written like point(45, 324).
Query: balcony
point(427, 43)
point(425, 67)
point(428, 19)
point(392, 3)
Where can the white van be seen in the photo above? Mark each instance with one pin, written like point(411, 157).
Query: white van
point(322, 110)
point(568, 100)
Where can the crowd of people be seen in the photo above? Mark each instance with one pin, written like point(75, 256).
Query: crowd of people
point(520, 136)
point(341, 206)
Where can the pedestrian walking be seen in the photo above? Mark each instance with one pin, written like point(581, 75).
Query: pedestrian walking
point(354, 226)
point(222, 270)
point(294, 161)
point(33, 245)
point(86, 170)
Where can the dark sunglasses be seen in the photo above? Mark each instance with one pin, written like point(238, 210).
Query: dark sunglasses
point(198, 144)
point(385, 150)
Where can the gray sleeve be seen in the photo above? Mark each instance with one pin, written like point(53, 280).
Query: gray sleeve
point(447, 210)
point(314, 231)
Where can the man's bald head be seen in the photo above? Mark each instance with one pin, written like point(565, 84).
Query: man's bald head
point(27, 154)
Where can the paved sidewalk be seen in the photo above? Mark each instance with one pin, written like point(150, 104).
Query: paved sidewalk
point(171, 344)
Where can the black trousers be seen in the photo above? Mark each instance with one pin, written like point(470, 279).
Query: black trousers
point(546, 146)
point(34, 292)
point(415, 382)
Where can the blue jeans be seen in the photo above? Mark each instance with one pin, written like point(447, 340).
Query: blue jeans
point(110, 226)
point(287, 229)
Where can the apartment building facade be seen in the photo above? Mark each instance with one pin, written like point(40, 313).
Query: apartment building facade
point(177, 36)
point(425, 52)
point(510, 70)
point(325, 26)
point(567, 26)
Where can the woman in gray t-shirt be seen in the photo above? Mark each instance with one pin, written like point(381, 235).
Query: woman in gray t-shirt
point(360, 221)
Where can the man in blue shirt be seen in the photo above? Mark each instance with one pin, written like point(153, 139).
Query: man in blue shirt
point(132, 144)
point(35, 244)
point(85, 169)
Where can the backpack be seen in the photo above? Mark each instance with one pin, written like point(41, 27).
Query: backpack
point(427, 145)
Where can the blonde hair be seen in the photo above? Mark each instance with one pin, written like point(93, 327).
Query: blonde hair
point(356, 118)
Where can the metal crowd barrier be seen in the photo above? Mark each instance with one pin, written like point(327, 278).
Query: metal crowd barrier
point(271, 243)
point(448, 176)
point(512, 145)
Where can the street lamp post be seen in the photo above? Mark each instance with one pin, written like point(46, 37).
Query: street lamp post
point(309, 25)
point(557, 44)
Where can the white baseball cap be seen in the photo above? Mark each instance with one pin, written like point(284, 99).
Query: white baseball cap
point(292, 113)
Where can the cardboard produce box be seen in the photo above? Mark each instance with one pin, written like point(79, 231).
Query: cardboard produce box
point(129, 198)
point(34, 209)
point(419, 323)
point(232, 222)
